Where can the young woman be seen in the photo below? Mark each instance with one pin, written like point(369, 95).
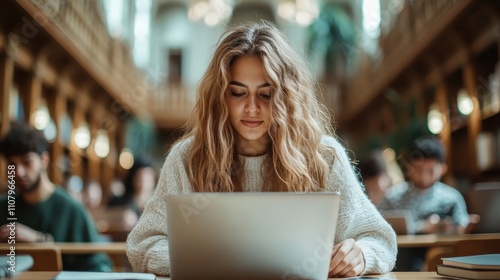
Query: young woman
point(258, 126)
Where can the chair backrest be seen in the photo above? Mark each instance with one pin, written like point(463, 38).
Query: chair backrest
point(477, 247)
point(461, 248)
point(45, 257)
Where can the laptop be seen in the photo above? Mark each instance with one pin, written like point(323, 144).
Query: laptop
point(251, 235)
point(485, 201)
point(398, 219)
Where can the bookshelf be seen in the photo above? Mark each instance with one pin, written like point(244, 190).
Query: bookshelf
point(432, 54)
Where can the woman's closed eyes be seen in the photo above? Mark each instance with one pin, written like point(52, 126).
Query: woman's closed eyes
point(263, 95)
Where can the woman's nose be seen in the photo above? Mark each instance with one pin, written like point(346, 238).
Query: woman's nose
point(252, 106)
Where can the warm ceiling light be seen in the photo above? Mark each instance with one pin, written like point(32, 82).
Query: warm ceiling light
point(126, 158)
point(464, 103)
point(101, 145)
point(302, 12)
point(41, 117)
point(435, 121)
point(212, 12)
point(82, 136)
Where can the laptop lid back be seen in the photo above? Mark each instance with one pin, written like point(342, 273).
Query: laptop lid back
point(399, 220)
point(251, 235)
point(485, 201)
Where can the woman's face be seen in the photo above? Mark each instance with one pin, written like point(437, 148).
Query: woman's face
point(249, 103)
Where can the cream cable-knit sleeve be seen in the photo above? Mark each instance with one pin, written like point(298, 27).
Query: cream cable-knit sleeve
point(147, 243)
point(358, 217)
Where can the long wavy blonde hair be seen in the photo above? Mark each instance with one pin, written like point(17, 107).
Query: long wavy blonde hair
point(298, 162)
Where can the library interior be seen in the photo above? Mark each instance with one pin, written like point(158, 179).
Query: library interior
point(95, 94)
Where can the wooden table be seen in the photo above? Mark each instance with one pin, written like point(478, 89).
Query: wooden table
point(115, 250)
point(439, 246)
point(404, 241)
point(434, 240)
point(78, 248)
point(36, 275)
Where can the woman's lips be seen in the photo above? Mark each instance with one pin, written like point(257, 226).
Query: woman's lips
point(251, 123)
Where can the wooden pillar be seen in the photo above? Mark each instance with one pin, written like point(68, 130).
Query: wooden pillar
point(108, 175)
point(58, 109)
point(109, 163)
point(474, 121)
point(94, 166)
point(6, 78)
point(30, 92)
point(76, 161)
point(445, 136)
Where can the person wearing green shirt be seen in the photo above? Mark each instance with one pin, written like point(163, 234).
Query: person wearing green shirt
point(44, 212)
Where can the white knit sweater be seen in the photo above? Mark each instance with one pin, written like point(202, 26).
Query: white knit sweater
point(147, 244)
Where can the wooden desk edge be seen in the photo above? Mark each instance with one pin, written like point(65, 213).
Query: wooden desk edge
point(49, 275)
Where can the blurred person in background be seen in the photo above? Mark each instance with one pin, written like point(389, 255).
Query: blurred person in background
point(139, 187)
point(73, 184)
point(373, 171)
point(434, 207)
point(44, 211)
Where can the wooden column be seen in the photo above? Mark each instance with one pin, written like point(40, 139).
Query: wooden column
point(110, 125)
point(58, 104)
point(474, 121)
point(94, 167)
point(442, 101)
point(6, 78)
point(76, 164)
point(30, 91)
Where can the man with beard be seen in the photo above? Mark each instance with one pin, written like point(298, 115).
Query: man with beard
point(44, 211)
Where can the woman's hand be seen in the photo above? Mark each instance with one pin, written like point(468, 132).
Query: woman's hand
point(347, 259)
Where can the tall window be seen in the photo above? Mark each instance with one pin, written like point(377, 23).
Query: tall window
point(114, 11)
point(142, 31)
point(371, 24)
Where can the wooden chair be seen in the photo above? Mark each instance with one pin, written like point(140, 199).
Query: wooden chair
point(461, 248)
point(434, 255)
point(477, 247)
point(45, 257)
